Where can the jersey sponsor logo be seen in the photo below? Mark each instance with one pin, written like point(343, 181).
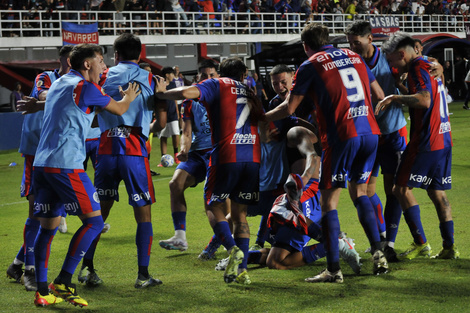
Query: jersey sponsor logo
point(249, 195)
point(358, 111)
point(445, 128)
point(447, 180)
point(223, 196)
point(308, 210)
point(339, 177)
point(71, 207)
point(141, 196)
point(121, 132)
point(243, 139)
point(328, 56)
point(421, 179)
point(106, 192)
point(42, 207)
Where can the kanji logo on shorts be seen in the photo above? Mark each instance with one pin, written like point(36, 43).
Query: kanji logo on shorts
point(447, 180)
point(42, 207)
point(338, 177)
point(71, 207)
point(140, 196)
point(107, 192)
point(249, 195)
point(421, 179)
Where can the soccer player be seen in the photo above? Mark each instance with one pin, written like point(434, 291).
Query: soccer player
point(235, 157)
point(426, 162)
point(59, 180)
point(340, 84)
point(122, 155)
point(393, 138)
point(194, 156)
point(31, 130)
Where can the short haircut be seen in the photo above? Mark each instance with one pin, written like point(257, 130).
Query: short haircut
point(281, 68)
point(65, 50)
point(359, 28)
point(315, 35)
point(416, 40)
point(168, 70)
point(232, 67)
point(128, 46)
point(143, 65)
point(207, 63)
point(82, 52)
point(397, 41)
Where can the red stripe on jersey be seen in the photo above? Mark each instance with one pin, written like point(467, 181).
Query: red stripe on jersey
point(403, 132)
point(103, 147)
point(43, 82)
point(149, 180)
point(52, 170)
point(73, 249)
point(310, 192)
point(133, 146)
point(78, 91)
point(103, 77)
point(81, 193)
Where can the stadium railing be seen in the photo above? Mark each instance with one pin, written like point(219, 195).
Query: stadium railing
point(47, 24)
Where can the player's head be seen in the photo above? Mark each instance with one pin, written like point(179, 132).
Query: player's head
point(145, 66)
point(233, 67)
point(88, 58)
point(169, 73)
point(208, 68)
point(64, 59)
point(400, 50)
point(127, 47)
point(314, 36)
point(359, 34)
point(418, 46)
point(281, 79)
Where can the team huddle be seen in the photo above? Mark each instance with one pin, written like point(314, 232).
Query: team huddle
point(339, 115)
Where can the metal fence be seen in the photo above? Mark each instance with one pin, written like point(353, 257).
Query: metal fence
point(47, 24)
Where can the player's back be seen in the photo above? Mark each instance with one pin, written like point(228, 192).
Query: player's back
point(234, 131)
point(338, 81)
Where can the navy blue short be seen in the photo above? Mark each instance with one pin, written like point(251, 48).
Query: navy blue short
point(196, 165)
point(389, 151)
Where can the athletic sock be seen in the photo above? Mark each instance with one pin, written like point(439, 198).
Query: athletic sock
point(179, 220)
point(313, 252)
point(392, 218)
point(315, 231)
point(213, 245)
point(331, 229)
point(81, 241)
point(447, 234)
point(262, 231)
point(378, 209)
point(19, 259)
point(366, 215)
point(413, 219)
point(143, 240)
point(243, 244)
point(42, 250)
point(223, 234)
point(31, 228)
point(90, 254)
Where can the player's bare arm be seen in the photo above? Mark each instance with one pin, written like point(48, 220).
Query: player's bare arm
point(185, 142)
point(120, 107)
point(421, 100)
point(30, 105)
point(376, 91)
point(286, 108)
point(161, 116)
point(303, 139)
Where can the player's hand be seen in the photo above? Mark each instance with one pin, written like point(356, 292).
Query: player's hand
point(182, 156)
point(161, 84)
point(28, 105)
point(382, 105)
point(132, 91)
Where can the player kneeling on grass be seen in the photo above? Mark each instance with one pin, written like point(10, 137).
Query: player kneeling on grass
point(60, 180)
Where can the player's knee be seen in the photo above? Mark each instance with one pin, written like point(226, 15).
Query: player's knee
point(176, 186)
point(273, 264)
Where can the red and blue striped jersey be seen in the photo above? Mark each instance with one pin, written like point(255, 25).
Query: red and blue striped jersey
point(430, 128)
point(234, 131)
point(338, 82)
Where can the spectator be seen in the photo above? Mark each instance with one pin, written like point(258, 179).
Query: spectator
point(15, 96)
point(362, 8)
point(351, 10)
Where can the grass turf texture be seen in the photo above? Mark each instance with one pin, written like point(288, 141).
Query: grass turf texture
point(190, 285)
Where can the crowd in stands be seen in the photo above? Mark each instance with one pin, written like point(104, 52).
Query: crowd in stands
point(308, 10)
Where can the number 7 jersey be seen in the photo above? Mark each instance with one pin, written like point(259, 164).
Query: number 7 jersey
point(338, 82)
point(234, 131)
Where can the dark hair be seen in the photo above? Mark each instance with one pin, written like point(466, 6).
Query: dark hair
point(167, 70)
point(82, 52)
point(65, 50)
point(233, 67)
point(416, 40)
point(315, 35)
point(280, 68)
point(143, 65)
point(208, 64)
point(359, 28)
point(396, 41)
point(128, 46)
